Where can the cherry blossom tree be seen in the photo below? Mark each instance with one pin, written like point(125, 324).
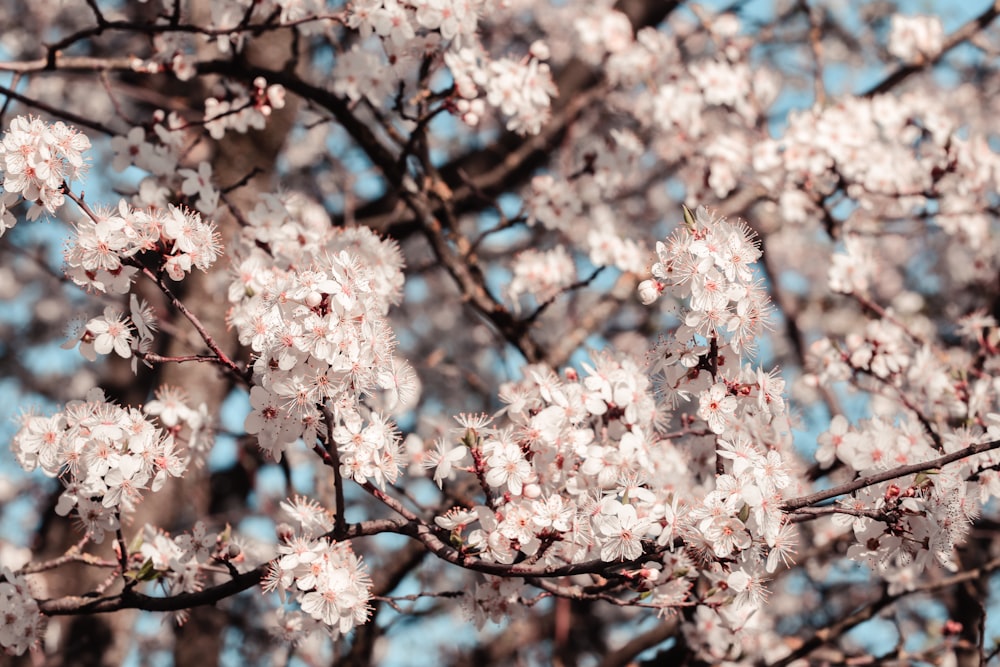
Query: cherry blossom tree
point(479, 332)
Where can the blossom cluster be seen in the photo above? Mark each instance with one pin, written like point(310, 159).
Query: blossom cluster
point(112, 245)
point(521, 89)
point(580, 209)
point(888, 358)
point(542, 274)
point(900, 527)
point(38, 159)
point(105, 456)
point(915, 38)
point(581, 468)
point(674, 97)
point(609, 464)
point(177, 563)
point(312, 308)
point(710, 263)
point(328, 582)
point(243, 110)
point(922, 154)
point(560, 464)
point(126, 335)
point(21, 624)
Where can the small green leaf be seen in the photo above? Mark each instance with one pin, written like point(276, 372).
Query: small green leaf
point(147, 572)
point(136, 543)
point(688, 218)
point(744, 513)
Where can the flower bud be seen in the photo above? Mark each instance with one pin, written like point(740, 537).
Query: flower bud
point(540, 50)
point(649, 291)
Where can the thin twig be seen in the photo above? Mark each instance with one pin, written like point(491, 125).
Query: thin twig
point(223, 358)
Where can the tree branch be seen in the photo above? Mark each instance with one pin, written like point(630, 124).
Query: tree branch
point(895, 473)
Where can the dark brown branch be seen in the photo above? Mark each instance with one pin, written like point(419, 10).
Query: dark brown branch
point(956, 38)
point(626, 655)
point(129, 599)
point(57, 113)
point(339, 520)
point(103, 25)
point(418, 529)
point(895, 473)
point(481, 174)
point(835, 630)
point(472, 284)
point(362, 134)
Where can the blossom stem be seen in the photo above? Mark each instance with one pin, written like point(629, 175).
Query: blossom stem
point(122, 547)
point(78, 200)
